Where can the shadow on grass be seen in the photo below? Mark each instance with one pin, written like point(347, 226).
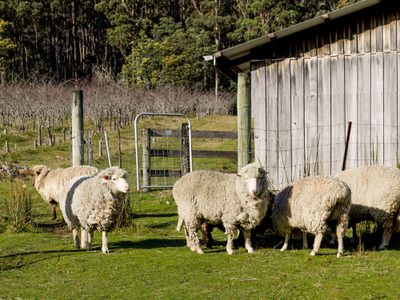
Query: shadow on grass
point(148, 244)
point(24, 259)
point(150, 215)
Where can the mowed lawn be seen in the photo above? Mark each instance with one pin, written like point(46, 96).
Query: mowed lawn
point(149, 259)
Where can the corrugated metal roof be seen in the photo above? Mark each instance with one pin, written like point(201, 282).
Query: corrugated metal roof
point(228, 60)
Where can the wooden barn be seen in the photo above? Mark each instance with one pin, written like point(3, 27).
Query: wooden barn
point(310, 80)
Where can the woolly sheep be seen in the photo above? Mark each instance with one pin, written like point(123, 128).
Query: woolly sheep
point(213, 197)
point(375, 195)
point(309, 204)
point(94, 202)
point(50, 182)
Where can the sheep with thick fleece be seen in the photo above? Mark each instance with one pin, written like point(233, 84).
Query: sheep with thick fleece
point(310, 205)
point(49, 182)
point(235, 200)
point(94, 202)
point(375, 195)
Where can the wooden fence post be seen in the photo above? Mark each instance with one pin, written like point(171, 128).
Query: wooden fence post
point(77, 129)
point(185, 159)
point(119, 148)
point(243, 118)
point(146, 159)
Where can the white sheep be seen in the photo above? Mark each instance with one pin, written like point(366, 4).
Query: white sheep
point(236, 201)
point(375, 195)
point(49, 182)
point(309, 204)
point(94, 202)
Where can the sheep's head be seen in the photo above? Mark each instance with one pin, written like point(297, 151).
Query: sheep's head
point(39, 169)
point(255, 178)
point(115, 180)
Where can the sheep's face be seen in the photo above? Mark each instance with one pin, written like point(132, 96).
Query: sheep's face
point(39, 169)
point(255, 178)
point(117, 184)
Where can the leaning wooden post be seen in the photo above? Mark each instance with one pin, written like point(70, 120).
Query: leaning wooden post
point(77, 129)
point(243, 118)
point(146, 159)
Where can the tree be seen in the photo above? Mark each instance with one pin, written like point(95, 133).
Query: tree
point(6, 46)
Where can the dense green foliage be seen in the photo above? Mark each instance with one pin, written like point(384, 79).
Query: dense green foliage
point(146, 43)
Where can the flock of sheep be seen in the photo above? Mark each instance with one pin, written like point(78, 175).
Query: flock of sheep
point(91, 199)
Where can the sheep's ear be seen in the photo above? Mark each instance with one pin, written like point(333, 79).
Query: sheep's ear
point(106, 177)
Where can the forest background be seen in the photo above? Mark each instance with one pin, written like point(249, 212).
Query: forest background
point(141, 43)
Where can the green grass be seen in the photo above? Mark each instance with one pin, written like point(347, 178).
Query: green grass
point(149, 259)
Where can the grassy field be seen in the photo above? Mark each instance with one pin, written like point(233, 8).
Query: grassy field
point(149, 258)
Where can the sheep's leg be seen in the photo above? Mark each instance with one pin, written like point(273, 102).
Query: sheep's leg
point(54, 211)
point(229, 244)
point(186, 236)
point(192, 237)
point(305, 242)
point(286, 242)
point(247, 241)
point(75, 236)
point(317, 243)
point(104, 247)
point(387, 234)
point(84, 239)
point(340, 232)
point(90, 239)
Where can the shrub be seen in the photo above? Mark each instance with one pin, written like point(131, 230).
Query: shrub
point(18, 206)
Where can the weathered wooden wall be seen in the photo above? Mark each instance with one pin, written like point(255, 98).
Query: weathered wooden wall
point(306, 88)
point(301, 108)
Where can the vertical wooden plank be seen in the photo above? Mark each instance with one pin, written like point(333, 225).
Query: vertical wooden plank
point(272, 122)
point(258, 110)
point(324, 115)
point(334, 41)
point(353, 36)
point(363, 127)
point(243, 119)
point(347, 39)
point(284, 115)
point(351, 89)
point(373, 34)
point(390, 109)
point(393, 31)
point(366, 33)
point(398, 30)
point(360, 35)
point(389, 32)
point(379, 33)
point(338, 112)
point(311, 159)
point(377, 148)
point(297, 124)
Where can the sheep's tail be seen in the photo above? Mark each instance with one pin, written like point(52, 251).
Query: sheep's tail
point(180, 223)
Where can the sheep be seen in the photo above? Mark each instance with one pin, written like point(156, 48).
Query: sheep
point(261, 228)
point(311, 204)
point(375, 194)
point(49, 182)
point(94, 202)
point(233, 200)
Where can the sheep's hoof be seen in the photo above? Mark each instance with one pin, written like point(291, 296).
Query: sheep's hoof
point(251, 250)
point(105, 250)
point(382, 247)
point(313, 253)
point(231, 252)
point(340, 254)
point(199, 251)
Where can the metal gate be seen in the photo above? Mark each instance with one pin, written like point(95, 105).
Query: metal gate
point(163, 149)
